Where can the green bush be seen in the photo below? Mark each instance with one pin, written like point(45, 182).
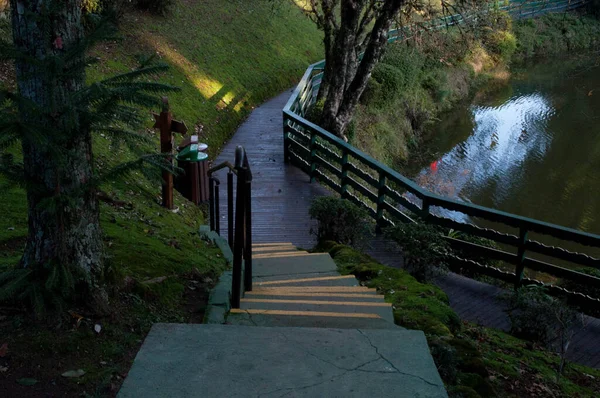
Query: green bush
point(390, 78)
point(158, 7)
point(339, 220)
point(423, 247)
point(537, 317)
point(501, 43)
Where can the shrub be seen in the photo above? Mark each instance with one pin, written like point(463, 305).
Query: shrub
point(157, 7)
point(537, 317)
point(423, 247)
point(501, 43)
point(339, 220)
point(390, 78)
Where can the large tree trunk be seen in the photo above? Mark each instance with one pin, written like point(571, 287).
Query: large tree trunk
point(63, 208)
point(347, 77)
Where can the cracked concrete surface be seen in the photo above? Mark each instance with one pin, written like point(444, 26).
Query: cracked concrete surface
point(179, 360)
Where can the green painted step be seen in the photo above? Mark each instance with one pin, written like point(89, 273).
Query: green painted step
point(309, 280)
point(246, 319)
point(183, 360)
point(312, 289)
point(369, 298)
point(305, 264)
point(273, 278)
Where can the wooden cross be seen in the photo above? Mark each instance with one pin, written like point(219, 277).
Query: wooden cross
point(167, 127)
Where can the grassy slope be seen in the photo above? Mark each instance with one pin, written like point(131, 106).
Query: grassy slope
point(227, 57)
point(473, 361)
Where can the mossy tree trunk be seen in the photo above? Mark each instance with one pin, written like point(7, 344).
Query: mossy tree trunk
point(63, 210)
point(347, 35)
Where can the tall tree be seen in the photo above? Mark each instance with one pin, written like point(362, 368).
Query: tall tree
point(53, 114)
point(351, 27)
point(63, 211)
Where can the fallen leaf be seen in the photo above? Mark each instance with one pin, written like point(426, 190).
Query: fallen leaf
point(73, 373)
point(3, 369)
point(97, 328)
point(27, 381)
point(3, 350)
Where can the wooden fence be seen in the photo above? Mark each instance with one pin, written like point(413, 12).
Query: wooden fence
point(390, 197)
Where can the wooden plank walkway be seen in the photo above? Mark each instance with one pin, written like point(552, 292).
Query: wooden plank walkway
point(280, 201)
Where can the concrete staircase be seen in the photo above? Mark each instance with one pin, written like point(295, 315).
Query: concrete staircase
point(296, 288)
point(303, 331)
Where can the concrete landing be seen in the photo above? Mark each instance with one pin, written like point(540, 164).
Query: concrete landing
point(179, 360)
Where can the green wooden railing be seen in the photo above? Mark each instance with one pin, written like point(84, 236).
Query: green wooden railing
point(390, 197)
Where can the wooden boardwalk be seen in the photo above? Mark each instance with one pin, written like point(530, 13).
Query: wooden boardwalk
point(281, 196)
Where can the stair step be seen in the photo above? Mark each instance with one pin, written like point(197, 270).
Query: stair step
point(343, 280)
point(275, 249)
point(250, 301)
point(329, 314)
point(311, 320)
point(295, 253)
point(187, 360)
point(382, 310)
point(315, 296)
point(290, 265)
point(272, 244)
point(313, 289)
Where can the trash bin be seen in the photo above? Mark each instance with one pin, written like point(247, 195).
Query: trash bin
point(193, 184)
point(194, 164)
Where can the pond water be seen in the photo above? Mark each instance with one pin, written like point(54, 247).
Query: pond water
point(530, 147)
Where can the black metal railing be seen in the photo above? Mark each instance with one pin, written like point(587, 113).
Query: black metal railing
point(239, 222)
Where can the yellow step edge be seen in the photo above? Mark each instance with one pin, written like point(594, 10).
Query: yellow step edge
point(285, 254)
point(309, 294)
point(321, 278)
point(316, 302)
point(272, 244)
point(275, 248)
point(304, 313)
point(314, 289)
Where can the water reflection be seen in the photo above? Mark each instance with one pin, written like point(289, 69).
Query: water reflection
point(532, 148)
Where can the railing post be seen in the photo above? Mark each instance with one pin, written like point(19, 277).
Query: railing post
point(248, 242)
point(344, 179)
point(238, 244)
point(381, 191)
point(313, 155)
point(217, 209)
point(520, 258)
point(211, 202)
point(230, 208)
point(425, 208)
point(286, 155)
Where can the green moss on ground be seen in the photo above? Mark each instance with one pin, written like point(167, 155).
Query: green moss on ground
point(473, 361)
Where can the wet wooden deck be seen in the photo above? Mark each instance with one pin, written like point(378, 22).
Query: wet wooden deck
point(280, 201)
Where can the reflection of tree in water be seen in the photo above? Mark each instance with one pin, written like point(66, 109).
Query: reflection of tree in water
point(535, 154)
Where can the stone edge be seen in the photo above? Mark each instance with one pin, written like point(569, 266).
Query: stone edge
point(219, 300)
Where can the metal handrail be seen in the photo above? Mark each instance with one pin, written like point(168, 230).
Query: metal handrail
point(374, 186)
point(239, 223)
